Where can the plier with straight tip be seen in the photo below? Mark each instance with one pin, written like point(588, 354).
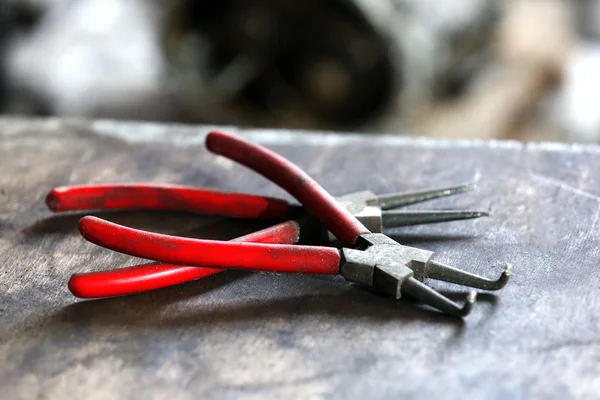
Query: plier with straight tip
point(377, 212)
point(366, 258)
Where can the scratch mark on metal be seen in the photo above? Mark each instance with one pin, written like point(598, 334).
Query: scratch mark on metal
point(563, 185)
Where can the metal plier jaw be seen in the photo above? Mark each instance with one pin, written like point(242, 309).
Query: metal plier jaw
point(377, 212)
point(394, 269)
point(362, 206)
point(380, 262)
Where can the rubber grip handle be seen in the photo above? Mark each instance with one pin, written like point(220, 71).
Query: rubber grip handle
point(154, 197)
point(210, 253)
point(294, 180)
point(142, 278)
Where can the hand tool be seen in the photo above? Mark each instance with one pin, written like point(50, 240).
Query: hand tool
point(372, 210)
point(366, 258)
point(375, 210)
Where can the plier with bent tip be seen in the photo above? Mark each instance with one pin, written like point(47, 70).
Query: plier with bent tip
point(377, 212)
point(366, 257)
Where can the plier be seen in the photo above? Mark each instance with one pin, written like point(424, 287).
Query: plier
point(366, 257)
point(377, 212)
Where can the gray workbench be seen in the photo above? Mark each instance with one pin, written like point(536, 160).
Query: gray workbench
point(263, 336)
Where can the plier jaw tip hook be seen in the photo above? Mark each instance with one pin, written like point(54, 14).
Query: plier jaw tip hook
point(396, 270)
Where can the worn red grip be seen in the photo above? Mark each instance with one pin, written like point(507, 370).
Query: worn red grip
point(210, 253)
point(142, 196)
point(294, 180)
point(142, 278)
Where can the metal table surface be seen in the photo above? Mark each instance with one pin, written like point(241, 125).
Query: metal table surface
point(257, 336)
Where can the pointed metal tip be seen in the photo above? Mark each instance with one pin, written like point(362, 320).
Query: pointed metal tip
point(434, 299)
point(469, 187)
point(395, 200)
point(464, 214)
point(443, 272)
point(469, 302)
point(471, 297)
point(502, 280)
point(506, 274)
point(396, 219)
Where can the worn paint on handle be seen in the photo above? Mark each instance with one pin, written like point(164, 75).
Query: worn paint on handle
point(294, 180)
point(210, 253)
point(142, 278)
point(156, 197)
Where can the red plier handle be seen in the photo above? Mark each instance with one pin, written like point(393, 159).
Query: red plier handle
point(249, 256)
point(294, 180)
point(210, 253)
point(159, 197)
point(145, 277)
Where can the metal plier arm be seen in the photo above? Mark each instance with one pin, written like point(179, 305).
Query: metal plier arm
point(368, 258)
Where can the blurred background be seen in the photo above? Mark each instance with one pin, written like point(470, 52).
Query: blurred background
point(504, 69)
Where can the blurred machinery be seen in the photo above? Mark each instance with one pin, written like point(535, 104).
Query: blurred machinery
point(429, 67)
point(279, 60)
point(337, 64)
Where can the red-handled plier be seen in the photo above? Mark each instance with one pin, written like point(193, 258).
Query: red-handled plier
point(367, 258)
point(372, 210)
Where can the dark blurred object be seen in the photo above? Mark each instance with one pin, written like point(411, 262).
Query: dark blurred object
point(341, 64)
point(336, 64)
point(281, 59)
point(21, 17)
point(18, 20)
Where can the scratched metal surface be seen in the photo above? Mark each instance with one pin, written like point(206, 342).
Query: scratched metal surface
point(257, 336)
